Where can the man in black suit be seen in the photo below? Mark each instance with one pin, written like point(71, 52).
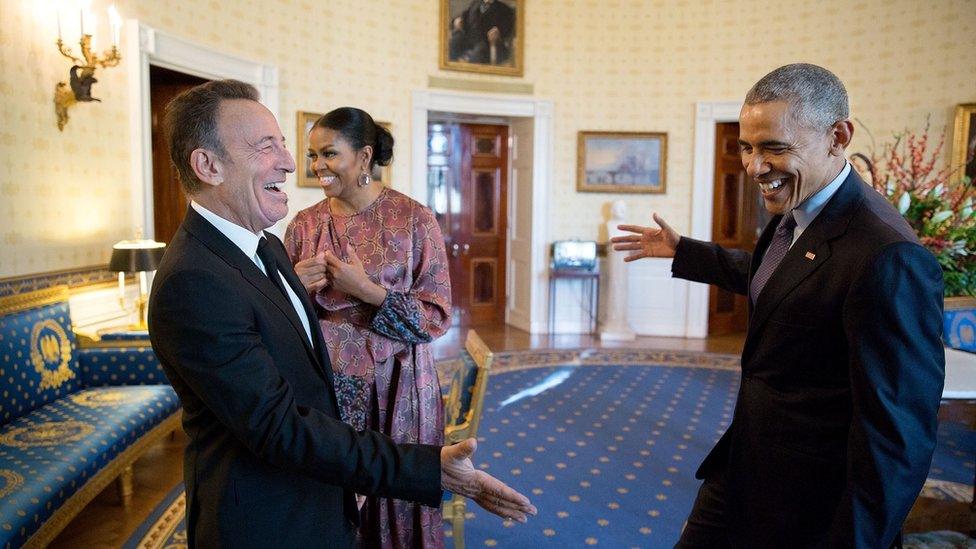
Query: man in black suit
point(270, 462)
point(843, 365)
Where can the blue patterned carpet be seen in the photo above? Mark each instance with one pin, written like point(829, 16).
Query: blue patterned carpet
point(607, 452)
point(606, 444)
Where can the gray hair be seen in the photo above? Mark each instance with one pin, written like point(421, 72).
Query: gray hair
point(816, 96)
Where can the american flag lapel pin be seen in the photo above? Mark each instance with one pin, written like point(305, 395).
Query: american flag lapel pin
point(810, 255)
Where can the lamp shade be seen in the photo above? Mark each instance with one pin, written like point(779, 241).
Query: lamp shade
point(132, 256)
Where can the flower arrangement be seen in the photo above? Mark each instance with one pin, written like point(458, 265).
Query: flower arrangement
point(938, 207)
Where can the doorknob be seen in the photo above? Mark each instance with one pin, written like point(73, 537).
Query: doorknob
point(454, 250)
point(465, 249)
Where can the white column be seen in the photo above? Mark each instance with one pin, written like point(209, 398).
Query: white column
point(616, 327)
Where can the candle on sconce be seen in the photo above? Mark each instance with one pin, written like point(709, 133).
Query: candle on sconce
point(58, 10)
point(93, 23)
point(121, 286)
point(115, 20)
point(84, 8)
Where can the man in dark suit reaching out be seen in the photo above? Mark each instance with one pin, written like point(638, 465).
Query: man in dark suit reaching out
point(843, 365)
point(270, 462)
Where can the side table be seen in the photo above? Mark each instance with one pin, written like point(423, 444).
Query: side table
point(592, 280)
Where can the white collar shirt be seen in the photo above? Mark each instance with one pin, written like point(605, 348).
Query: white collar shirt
point(805, 213)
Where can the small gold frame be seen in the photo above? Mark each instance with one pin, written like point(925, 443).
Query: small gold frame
point(304, 125)
point(384, 174)
point(640, 181)
point(964, 140)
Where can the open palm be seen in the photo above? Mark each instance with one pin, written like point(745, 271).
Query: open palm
point(459, 476)
point(647, 241)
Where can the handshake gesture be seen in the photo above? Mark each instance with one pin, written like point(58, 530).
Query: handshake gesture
point(458, 475)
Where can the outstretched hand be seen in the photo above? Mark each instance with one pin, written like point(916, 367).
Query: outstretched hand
point(459, 476)
point(648, 242)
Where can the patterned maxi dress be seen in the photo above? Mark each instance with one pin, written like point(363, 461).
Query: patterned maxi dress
point(384, 369)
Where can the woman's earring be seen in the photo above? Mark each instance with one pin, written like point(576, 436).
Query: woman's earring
point(364, 179)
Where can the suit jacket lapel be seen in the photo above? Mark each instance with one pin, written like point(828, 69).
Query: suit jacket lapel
point(296, 285)
point(226, 250)
point(829, 224)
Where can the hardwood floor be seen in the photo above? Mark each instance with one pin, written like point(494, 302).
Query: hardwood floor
point(507, 338)
point(104, 523)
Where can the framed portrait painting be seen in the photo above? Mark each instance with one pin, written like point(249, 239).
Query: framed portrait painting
point(623, 162)
point(306, 178)
point(383, 174)
point(964, 141)
point(484, 36)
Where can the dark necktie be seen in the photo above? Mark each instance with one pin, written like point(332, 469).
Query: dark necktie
point(778, 246)
point(271, 266)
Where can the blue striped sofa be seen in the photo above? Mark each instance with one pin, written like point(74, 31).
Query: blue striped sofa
point(72, 419)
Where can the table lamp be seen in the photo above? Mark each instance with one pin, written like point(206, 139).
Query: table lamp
point(141, 257)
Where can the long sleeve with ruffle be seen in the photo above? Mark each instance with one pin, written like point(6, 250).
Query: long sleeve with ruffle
point(424, 312)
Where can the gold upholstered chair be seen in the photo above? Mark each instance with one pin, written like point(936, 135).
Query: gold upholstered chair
point(463, 405)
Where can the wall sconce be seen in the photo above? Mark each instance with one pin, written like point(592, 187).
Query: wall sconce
point(83, 70)
point(141, 257)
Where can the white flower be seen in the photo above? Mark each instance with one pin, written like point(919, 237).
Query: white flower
point(904, 202)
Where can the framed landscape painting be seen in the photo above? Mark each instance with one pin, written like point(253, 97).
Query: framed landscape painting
point(484, 36)
point(622, 162)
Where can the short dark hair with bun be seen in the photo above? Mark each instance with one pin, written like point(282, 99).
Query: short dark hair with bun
point(358, 128)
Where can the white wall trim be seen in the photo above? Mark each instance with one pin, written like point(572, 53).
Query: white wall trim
point(152, 46)
point(707, 115)
point(660, 309)
point(540, 111)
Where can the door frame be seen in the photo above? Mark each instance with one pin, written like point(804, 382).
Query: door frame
point(707, 115)
point(148, 45)
point(540, 111)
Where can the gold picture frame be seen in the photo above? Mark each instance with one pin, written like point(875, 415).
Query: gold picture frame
point(384, 174)
point(306, 178)
point(964, 141)
point(621, 162)
point(304, 167)
point(465, 42)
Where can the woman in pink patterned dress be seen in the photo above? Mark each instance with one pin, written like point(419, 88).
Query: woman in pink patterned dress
point(373, 261)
